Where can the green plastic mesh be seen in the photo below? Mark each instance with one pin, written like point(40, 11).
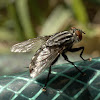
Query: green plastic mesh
point(65, 83)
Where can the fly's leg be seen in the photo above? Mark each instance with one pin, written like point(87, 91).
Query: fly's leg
point(66, 58)
point(44, 88)
point(77, 49)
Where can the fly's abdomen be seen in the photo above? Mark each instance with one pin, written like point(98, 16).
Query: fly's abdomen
point(43, 59)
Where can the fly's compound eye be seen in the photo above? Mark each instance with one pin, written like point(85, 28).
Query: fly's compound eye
point(79, 34)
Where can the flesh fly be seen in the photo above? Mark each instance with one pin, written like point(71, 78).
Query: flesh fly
point(50, 48)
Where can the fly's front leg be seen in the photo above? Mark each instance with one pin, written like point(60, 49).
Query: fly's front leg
point(66, 58)
point(77, 49)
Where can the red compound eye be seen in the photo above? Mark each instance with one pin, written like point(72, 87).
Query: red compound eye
point(79, 34)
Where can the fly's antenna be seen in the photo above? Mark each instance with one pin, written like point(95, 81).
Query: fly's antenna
point(82, 32)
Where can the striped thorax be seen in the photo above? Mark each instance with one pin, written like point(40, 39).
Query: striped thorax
point(72, 36)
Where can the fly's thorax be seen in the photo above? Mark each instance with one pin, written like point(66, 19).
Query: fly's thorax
point(65, 37)
point(59, 39)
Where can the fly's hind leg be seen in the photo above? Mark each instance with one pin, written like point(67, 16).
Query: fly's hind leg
point(44, 88)
point(66, 58)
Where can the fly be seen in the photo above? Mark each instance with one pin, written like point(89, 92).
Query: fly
point(49, 49)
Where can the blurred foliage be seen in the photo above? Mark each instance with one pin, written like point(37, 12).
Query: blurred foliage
point(24, 19)
point(80, 11)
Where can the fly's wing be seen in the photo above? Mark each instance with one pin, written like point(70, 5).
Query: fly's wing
point(43, 59)
point(30, 44)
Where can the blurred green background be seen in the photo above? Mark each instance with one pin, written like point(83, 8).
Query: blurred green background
point(24, 19)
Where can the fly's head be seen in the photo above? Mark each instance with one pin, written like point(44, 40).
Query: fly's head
point(77, 33)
